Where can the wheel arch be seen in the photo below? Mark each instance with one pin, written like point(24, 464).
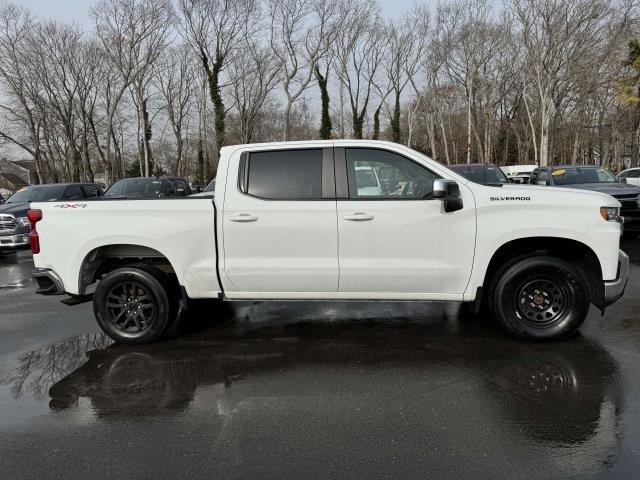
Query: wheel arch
point(570, 250)
point(106, 258)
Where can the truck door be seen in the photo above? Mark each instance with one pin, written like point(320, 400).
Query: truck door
point(399, 243)
point(280, 236)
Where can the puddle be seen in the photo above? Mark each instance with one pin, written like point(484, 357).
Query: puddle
point(13, 285)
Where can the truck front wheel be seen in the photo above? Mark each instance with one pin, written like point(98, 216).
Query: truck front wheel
point(540, 298)
point(132, 306)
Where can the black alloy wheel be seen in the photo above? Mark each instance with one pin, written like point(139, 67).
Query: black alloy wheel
point(132, 305)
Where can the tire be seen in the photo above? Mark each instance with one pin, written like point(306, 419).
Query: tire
point(132, 306)
point(540, 298)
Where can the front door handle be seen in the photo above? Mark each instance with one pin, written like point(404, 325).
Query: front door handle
point(359, 217)
point(243, 217)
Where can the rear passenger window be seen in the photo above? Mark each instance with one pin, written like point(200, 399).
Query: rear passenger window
point(285, 174)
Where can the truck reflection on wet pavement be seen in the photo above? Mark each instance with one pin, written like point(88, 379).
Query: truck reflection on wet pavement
point(324, 390)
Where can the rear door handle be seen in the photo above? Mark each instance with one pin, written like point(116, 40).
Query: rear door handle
point(359, 217)
point(243, 217)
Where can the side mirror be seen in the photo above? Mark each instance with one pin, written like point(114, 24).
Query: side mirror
point(449, 192)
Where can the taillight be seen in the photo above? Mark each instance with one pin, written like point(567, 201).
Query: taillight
point(34, 217)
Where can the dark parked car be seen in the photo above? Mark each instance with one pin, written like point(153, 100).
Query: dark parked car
point(14, 226)
point(149, 187)
point(596, 179)
point(482, 173)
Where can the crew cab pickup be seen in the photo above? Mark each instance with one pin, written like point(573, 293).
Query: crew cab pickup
point(289, 222)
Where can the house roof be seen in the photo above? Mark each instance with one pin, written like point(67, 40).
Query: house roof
point(26, 164)
point(12, 181)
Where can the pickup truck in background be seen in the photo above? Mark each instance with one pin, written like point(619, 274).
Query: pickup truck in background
point(596, 179)
point(14, 225)
point(289, 222)
point(148, 187)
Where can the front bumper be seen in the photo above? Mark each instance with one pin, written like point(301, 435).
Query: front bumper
point(614, 289)
point(631, 223)
point(48, 282)
point(11, 242)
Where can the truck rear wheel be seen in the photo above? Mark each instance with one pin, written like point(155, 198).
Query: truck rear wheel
point(540, 298)
point(132, 306)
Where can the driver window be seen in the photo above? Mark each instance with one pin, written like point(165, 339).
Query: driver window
point(386, 175)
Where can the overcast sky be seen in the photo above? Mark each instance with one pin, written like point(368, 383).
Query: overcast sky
point(78, 10)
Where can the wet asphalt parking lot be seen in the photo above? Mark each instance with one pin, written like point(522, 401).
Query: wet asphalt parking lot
point(321, 390)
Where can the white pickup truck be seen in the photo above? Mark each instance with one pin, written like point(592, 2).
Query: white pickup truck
point(289, 222)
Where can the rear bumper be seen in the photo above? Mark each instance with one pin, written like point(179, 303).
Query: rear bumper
point(614, 289)
point(48, 282)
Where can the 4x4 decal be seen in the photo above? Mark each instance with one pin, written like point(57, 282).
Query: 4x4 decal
point(70, 205)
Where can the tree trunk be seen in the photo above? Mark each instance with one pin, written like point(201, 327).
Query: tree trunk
point(149, 165)
point(73, 161)
point(395, 120)
point(286, 120)
point(376, 123)
point(325, 118)
point(545, 122)
point(470, 91)
point(213, 77)
point(445, 142)
point(432, 135)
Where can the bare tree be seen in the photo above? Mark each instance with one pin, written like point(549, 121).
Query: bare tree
point(301, 33)
point(18, 107)
point(405, 59)
point(60, 64)
point(216, 29)
point(555, 35)
point(176, 80)
point(254, 74)
point(133, 34)
point(357, 54)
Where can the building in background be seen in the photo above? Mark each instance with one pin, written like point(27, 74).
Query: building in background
point(15, 175)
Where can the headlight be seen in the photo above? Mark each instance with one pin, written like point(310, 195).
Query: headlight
point(611, 214)
point(22, 221)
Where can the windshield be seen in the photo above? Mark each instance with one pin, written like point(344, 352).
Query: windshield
point(482, 174)
point(211, 187)
point(365, 178)
point(577, 175)
point(133, 187)
point(37, 194)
